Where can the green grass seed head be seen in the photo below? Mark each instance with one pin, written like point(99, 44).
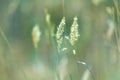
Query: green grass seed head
point(60, 31)
point(36, 35)
point(74, 34)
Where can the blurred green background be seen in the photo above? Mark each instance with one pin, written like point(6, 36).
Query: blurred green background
point(98, 45)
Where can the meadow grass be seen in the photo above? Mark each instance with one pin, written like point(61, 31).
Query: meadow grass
point(66, 45)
